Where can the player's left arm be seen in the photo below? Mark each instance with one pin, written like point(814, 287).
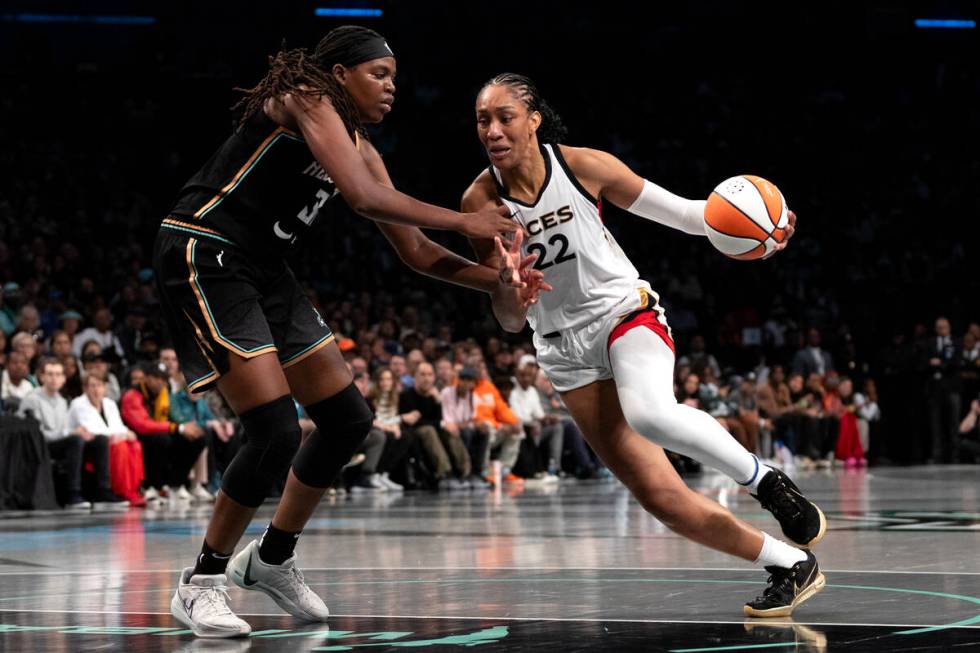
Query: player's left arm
point(417, 250)
point(613, 180)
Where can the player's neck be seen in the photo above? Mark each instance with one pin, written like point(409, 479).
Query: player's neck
point(524, 181)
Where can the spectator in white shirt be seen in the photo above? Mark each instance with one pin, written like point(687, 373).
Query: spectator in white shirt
point(71, 444)
point(544, 428)
point(102, 333)
point(99, 415)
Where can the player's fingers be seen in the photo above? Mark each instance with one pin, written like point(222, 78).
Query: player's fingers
point(528, 260)
point(515, 245)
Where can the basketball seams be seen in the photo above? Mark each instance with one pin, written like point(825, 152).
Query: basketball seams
point(782, 202)
point(747, 217)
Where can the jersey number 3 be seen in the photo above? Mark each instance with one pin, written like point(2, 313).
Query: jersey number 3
point(542, 251)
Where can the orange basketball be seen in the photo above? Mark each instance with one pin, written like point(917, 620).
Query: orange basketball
point(746, 217)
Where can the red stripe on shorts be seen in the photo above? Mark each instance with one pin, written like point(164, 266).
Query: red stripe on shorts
point(647, 318)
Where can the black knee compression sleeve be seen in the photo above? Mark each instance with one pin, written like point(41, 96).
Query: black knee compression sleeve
point(342, 421)
point(271, 439)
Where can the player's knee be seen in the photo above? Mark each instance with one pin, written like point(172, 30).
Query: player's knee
point(272, 436)
point(649, 420)
point(343, 421)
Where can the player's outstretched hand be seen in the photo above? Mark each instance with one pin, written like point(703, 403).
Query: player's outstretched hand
point(790, 230)
point(518, 272)
point(488, 224)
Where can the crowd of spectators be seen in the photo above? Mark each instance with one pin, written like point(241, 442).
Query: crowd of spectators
point(830, 351)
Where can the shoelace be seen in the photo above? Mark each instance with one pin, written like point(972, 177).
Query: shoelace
point(217, 597)
point(777, 579)
point(783, 501)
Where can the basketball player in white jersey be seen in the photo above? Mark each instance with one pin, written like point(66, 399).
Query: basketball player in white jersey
point(603, 341)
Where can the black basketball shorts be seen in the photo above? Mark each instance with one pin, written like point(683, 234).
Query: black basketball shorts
point(218, 300)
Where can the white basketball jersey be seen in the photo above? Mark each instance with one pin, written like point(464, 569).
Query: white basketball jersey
point(590, 274)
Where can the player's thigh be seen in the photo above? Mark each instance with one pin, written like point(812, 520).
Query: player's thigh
point(639, 463)
point(252, 382)
point(318, 376)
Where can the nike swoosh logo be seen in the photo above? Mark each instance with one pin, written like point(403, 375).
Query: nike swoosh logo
point(189, 606)
point(248, 581)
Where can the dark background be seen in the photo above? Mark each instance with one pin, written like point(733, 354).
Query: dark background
point(868, 125)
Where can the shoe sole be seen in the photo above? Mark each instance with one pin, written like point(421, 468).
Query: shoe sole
point(820, 532)
point(177, 610)
point(280, 599)
point(787, 610)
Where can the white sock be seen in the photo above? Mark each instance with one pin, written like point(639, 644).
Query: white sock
point(777, 553)
point(760, 474)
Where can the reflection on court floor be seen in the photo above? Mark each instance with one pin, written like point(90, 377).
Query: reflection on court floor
point(579, 567)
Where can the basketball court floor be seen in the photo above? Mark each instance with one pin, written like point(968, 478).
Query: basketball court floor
point(577, 567)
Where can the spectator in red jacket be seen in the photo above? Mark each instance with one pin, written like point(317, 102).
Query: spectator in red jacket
point(169, 448)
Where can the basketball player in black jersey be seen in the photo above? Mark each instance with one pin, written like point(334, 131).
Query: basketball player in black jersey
point(241, 322)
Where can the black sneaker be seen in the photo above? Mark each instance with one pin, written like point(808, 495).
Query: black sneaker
point(787, 589)
point(801, 520)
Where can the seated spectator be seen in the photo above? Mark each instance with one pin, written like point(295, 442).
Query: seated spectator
point(101, 332)
point(169, 448)
point(95, 363)
point(689, 392)
point(804, 419)
point(544, 430)
point(15, 383)
point(583, 462)
point(7, 319)
point(222, 451)
point(73, 378)
point(369, 453)
point(25, 344)
point(60, 345)
point(71, 322)
point(868, 414)
point(186, 408)
point(970, 431)
point(131, 331)
point(97, 414)
point(492, 415)
point(699, 358)
point(849, 448)
point(812, 359)
point(399, 443)
point(457, 420)
point(69, 444)
point(775, 405)
point(399, 368)
point(29, 322)
point(421, 411)
point(445, 373)
point(744, 407)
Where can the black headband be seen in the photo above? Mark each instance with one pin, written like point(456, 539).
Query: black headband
point(372, 48)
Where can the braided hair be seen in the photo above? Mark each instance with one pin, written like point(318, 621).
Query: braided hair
point(298, 72)
point(552, 129)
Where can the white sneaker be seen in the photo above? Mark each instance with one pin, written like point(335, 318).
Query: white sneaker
point(283, 583)
point(389, 484)
point(151, 494)
point(201, 604)
point(201, 495)
point(181, 494)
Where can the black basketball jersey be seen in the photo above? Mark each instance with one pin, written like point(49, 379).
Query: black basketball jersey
point(261, 190)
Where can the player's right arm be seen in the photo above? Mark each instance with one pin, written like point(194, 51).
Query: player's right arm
point(328, 140)
point(518, 285)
